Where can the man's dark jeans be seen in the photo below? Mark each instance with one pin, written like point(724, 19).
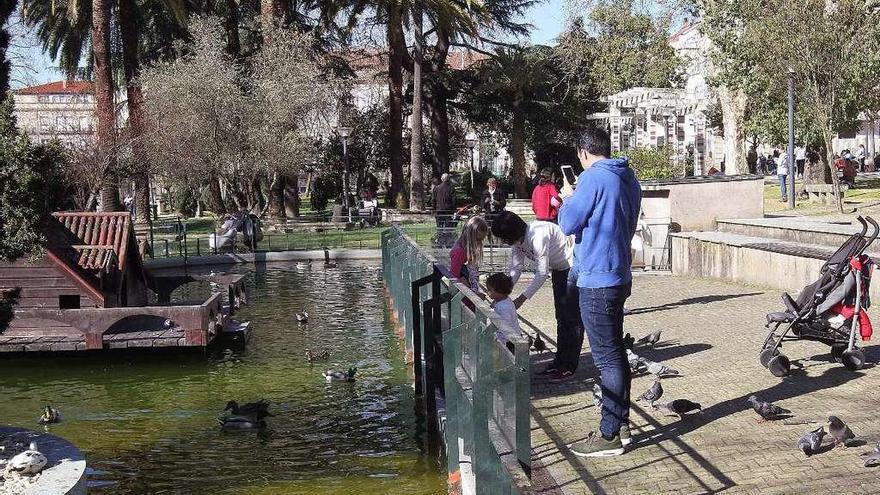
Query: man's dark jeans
point(569, 329)
point(602, 313)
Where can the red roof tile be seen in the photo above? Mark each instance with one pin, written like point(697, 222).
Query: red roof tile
point(99, 239)
point(59, 88)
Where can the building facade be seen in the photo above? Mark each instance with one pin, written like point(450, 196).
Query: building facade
point(62, 110)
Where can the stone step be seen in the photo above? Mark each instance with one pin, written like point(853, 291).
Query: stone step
point(754, 260)
point(801, 230)
point(520, 206)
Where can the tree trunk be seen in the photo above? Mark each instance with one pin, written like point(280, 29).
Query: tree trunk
point(106, 116)
point(291, 197)
point(395, 102)
point(827, 136)
point(136, 112)
point(518, 152)
point(439, 129)
point(272, 13)
point(230, 24)
point(416, 171)
point(440, 106)
point(276, 196)
point(733, 109)
point(239, 196)
point(216, 195)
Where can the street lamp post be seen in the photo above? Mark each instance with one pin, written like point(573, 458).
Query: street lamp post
point(344, 133)
point(792, 167)
point(471, 142)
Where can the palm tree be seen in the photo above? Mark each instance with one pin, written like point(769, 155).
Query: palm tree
point(105, 113)
point(68, 27)
point(518, 82)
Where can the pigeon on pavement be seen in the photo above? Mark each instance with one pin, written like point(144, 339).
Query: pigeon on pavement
point(872, 460)
point(635, 362)
point(811, 441)
point(767, 410)
point(680, 407)
point(651, 339)
point(628, 341)
point(539, 344)
point(839, 431)
point(660, 369)
point(653, 394)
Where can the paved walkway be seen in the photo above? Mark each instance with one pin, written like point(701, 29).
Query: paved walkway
point(711, 332)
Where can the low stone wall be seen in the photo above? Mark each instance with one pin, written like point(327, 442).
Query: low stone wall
point(696, 203)
point(694, 257)
point(791, 229)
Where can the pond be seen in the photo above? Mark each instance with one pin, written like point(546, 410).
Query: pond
point(148, 424)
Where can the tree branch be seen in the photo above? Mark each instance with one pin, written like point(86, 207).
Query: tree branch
point(471, 47)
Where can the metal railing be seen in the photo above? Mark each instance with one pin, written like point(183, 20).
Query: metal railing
point(172, 239)
point(474, 383)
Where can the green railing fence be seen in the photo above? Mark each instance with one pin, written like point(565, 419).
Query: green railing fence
point(473, 387)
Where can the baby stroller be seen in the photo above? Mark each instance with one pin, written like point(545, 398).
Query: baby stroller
point(831, 310)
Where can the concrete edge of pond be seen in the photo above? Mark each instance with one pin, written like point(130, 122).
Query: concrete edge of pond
point(66, 471)
point(268, 257)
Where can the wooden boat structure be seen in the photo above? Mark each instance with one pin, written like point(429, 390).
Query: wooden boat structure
point(89, 291)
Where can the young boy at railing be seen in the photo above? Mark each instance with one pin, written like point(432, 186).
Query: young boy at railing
point(467, 253)
point(499, 286)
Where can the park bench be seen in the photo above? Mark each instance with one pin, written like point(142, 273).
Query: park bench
point(822, 192)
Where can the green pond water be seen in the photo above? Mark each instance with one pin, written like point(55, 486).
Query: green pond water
point(148, 424)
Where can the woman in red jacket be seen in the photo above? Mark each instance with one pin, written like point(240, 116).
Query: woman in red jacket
point(545, 198)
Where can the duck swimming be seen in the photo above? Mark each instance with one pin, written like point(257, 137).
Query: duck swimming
point(255, 410)
point(313, 356)
point(241, 423)
point(50, 416)
point(340, 376)
point(302, 317)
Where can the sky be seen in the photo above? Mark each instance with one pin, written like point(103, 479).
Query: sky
point(548, 19)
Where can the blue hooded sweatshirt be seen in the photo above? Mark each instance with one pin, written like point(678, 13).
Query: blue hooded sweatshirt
point(602, 215)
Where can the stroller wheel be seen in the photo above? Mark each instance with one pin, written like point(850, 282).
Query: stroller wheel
point(837, 351)
point(779, 365)
point(766, 355)
point(853, 360)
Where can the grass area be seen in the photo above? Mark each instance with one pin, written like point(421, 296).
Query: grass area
point(865, 194)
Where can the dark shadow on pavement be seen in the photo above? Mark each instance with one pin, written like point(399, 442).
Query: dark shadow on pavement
point(691, 300)
point(543, 387)
point(794, 385)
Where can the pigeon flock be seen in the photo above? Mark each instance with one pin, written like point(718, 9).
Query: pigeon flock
point(811, 443)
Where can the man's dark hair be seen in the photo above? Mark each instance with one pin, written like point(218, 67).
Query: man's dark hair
point(500, 283)
point(595, 141)
point(509, 228)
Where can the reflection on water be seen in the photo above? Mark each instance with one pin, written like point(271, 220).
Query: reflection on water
point(148, 423)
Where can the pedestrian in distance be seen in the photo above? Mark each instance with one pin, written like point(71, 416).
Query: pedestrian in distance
point(444, 202)
point(782, 173)
point(545, 197)
point(493, 199)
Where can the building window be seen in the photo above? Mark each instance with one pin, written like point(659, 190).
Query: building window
point(42, 99)
point(69, 301)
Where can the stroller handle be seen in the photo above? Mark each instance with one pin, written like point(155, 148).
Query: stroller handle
point(875, 234)
point(864, 225)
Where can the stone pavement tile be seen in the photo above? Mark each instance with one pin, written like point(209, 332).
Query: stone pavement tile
point(712, 332)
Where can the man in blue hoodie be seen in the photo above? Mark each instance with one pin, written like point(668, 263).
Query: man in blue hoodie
point(602, 215)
